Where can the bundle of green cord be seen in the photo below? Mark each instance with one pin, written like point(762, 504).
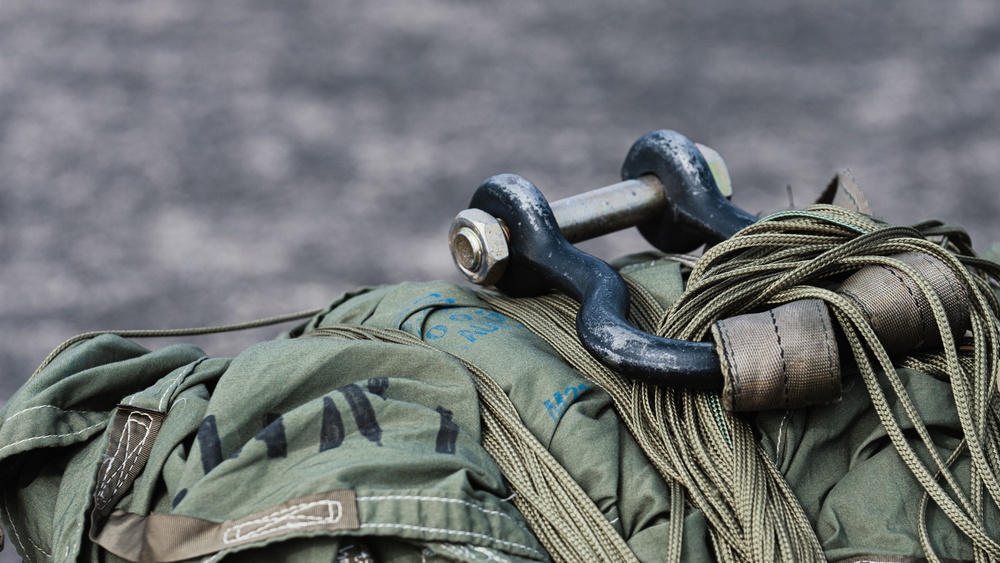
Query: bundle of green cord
point(711, 458)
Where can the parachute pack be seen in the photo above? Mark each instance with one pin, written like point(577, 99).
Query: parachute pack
point(815, 385)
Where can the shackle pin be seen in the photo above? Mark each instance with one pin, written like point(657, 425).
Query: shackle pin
point(610, 209)
point(626, 204)
point(479, 242)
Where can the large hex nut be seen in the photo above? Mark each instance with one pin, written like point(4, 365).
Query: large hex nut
point(479, 247)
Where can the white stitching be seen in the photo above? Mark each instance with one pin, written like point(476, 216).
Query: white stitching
point(135, 453)
point(446, 531)
point(131, 454)
point(285, 519)
point(781, 429)
point(490, 556)
point(91, 427)
point(177, 381)
point(440, 499)
point(13, 528)
point(72, 545)
point(218, 555)
point(469, 551)
point(11, 417)
point(17, 538)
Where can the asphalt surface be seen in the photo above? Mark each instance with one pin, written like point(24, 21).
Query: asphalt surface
point(176, 163)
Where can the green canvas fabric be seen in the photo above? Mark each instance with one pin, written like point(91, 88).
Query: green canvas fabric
point(852, 483)
point(863, 501)
point(244, 445)
point(570, 415)
point(396, 426)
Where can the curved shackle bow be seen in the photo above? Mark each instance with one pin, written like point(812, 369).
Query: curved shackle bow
point(513, 238)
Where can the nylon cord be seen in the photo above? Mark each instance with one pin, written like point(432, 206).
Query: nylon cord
point(712, 456)
point(178, 332)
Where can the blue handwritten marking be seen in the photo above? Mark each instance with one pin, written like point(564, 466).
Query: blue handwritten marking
point(435, 332)
point(418, 311)
point(561, 401)
point(480, 323)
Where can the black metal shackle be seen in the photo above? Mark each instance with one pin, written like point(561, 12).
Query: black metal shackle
point(511, 237)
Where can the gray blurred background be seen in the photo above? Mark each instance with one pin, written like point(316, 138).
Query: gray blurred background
point(173, 163)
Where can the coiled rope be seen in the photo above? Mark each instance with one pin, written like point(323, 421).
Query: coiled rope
point(710, 457)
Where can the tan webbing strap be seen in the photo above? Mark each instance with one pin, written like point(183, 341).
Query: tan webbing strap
point(131, 435)
point(843, 191)
point(783, 358)
point(787, 357)
point(173, 537)
point(897, 309)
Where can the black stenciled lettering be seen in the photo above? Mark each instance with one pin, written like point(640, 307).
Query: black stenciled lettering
point(331, 433)
point(273, 436)
point(209, 443)
point(364, 414)
point(447, 432)
point(378, 386)
point(178, 498)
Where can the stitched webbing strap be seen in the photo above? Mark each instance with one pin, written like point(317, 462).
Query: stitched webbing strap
point(788, 357)
point(173, 537)
point(896, 308)
point(782, 358)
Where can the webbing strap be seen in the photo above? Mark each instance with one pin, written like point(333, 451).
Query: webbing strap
point(782, 358)
point(843, 191)
point(787, 357)
point(174, 537)
point(896, 308)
